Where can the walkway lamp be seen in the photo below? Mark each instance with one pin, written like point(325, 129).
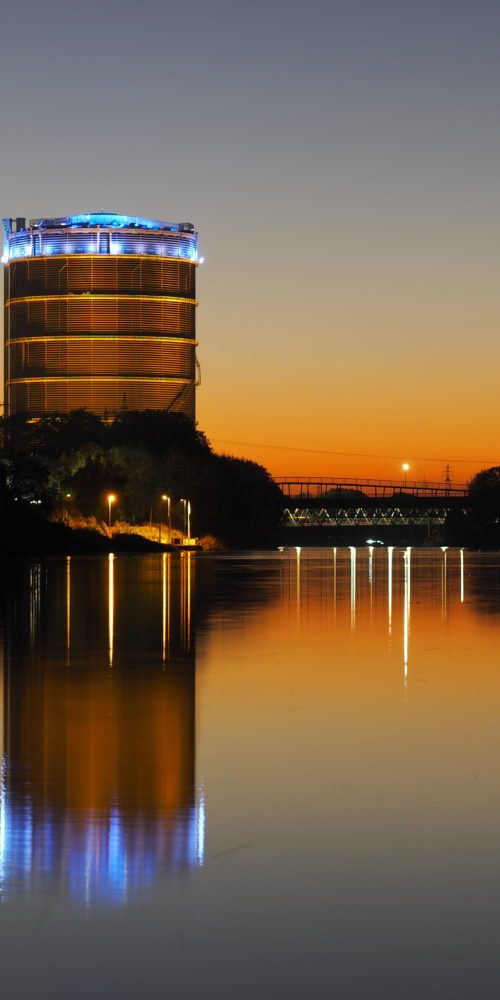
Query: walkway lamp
point(187, 518)
point(406, 468)
point(111, 500)
point(166, 499)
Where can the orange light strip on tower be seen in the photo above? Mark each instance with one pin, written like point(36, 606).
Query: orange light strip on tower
point(90, 296)
point(102, 378)
point(100, 256)
point(102, 337)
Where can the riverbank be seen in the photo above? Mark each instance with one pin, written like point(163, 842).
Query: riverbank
point(37, 536)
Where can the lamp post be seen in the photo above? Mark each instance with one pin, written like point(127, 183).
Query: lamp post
point(166, 499)
point(406, 468)
point(68, 497)
point(111, 500)
point(187, 518)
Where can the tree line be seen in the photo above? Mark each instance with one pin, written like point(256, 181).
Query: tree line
point(59, 461)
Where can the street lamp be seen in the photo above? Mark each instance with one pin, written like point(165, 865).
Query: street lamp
point(187, 518)
point(68, 497)
point(111, 499)
point(166, 499)
point(406, 468)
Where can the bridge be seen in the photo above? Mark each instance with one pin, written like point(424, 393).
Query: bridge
point(405, 511)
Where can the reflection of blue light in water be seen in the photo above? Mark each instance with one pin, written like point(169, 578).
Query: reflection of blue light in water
point(26, 839)
point(117, 855)
point(4, 836)
point(101, 859)
point(200, 846)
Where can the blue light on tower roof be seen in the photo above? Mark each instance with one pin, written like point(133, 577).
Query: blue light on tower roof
point(111, 220)
point(94, 233)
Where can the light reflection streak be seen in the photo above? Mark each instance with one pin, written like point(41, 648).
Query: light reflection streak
point(390, 552)
point(188, 601)
point(335, 584)
point(444, 582)
point(201, 822)
point(353, 586)
point(406, 610)
point(185, 599)
point(3, 828)
point(462, 577)
point(166, 570)
point(3, 812)
point(297, 580)
point(68, 608)
point(370, 578)
point(111, 606)
point(35, 601)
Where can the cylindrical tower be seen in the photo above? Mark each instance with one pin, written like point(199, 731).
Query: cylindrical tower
point(99, 313)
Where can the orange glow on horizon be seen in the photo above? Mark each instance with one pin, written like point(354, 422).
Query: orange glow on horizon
point(294, 461)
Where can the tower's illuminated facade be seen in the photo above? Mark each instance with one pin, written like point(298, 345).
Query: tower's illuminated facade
point(99, 313)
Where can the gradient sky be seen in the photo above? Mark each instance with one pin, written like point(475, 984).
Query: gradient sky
point(341, 162)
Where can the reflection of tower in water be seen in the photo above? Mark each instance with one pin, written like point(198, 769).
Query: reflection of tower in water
point(99, 786)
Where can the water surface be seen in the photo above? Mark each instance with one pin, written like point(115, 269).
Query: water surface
point(268, 775)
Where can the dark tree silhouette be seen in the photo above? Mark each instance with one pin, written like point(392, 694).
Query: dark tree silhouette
point(139, 456)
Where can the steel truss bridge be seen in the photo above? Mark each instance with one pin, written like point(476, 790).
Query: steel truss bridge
point(356, 503)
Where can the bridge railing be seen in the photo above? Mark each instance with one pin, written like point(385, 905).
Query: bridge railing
point(301, 487)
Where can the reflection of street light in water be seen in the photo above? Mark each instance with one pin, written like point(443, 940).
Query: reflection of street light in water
point(444, 581)
point(462, 579)
point(353, 585)
point(370, 579)
point(335, 584)
point(111, 605)
point(370, 564)
point(68, 605)
point(297, 579)
point(406, 611)
point(165, 602)
point(188, 601)
point(390, 551)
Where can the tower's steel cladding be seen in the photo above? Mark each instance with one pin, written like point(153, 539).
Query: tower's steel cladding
point(99, 313)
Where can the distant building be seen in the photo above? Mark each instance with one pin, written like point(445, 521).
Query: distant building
point(99, 313)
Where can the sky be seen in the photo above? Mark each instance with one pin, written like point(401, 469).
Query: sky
point(341, 162)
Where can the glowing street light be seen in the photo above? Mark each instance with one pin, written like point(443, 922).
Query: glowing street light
point(111, 500)
point(187, 518)
point(166, 499)
point(406, 468)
